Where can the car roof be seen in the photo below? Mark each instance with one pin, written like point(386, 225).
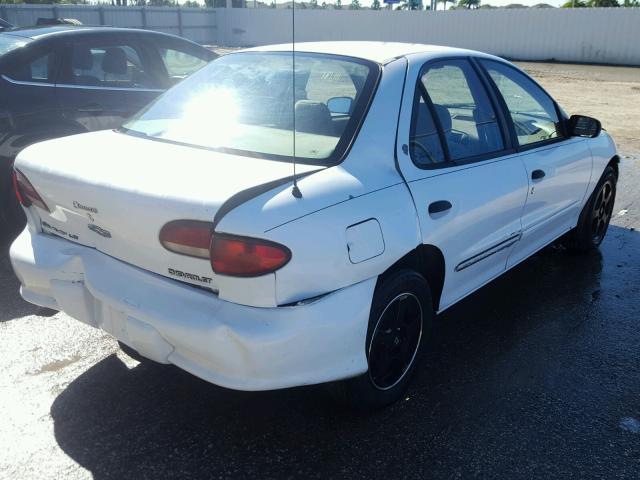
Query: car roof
point(55, 30)
point(379, 52)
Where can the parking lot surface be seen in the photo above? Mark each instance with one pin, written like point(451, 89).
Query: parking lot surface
point(536, 375)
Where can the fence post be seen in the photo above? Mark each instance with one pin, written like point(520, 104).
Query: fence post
point(101, 14)
point(143, 12)
point(55, 12)
point(180, 21)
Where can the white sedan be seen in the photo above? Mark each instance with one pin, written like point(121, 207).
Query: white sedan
point(421, 173)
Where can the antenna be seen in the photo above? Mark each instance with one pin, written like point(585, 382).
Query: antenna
point(295, 191)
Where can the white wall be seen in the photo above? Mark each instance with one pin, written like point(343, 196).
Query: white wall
point(590, 35)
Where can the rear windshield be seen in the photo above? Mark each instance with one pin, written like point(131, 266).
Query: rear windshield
point(10, 42)
point(248, 103)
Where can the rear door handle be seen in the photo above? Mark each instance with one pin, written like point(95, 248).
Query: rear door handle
point(439, 206)
point(537, 174)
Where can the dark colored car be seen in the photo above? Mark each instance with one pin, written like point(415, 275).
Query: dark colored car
point(62, 80)
point(4, 25)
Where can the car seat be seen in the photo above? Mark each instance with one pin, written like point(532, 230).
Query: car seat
point(114, 62)
point(313, 117)
point(82, 59)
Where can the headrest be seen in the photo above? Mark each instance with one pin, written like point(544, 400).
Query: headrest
point(82, 58)
point(114, 61)
point(444, 116)
point(313, 117)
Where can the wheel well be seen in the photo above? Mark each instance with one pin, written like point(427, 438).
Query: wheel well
point(614, 162)
point(429, 262)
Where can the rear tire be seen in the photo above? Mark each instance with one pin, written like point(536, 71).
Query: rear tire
point(595, 216)
point(399, 322)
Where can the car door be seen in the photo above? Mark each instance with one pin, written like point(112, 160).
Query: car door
point(468, 185)
point(106, 78)
point(558, 168)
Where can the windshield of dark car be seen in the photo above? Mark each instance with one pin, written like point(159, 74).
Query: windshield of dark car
point(247, 103)
point(11, 42)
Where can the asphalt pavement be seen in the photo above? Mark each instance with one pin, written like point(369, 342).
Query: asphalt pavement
point(536, 375)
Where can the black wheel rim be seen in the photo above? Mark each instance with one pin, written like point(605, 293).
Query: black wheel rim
point(602, 210)
point(395, 341)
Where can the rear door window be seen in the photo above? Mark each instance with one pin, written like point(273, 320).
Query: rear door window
point(118, 65)
point(180, 64)
point(462, 108)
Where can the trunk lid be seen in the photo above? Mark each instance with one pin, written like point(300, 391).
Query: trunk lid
point(114, 192)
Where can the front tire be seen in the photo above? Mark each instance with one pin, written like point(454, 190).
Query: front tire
point(399, 322)
point(595, 216)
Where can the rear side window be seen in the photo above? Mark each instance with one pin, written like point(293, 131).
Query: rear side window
point(108, 66)
point(180, 64)
point(38, 70)
point(533, 112)
point(463, 110)
point(424, 141)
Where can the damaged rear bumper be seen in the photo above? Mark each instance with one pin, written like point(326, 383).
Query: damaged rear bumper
point(232, 345)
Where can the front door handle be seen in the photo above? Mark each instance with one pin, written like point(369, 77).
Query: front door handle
point(439, 206)
point(537, 174)
point(91, 108)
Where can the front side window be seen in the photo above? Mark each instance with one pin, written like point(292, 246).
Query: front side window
point(246, 103)
point(533, 112)
point(462, 107)
point(108, 66)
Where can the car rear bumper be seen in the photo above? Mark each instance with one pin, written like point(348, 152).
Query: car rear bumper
point(235, 346)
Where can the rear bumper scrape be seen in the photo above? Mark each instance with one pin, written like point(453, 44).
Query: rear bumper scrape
point(232, 345)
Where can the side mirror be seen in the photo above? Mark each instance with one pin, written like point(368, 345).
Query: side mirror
point(581, 126)
point(340, 105)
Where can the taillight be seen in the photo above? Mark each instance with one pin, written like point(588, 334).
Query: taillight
point(229, 254)
point(246, 257)
point(27, 195)
point(187, 237)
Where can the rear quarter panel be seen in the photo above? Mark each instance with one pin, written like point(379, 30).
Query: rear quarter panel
point(365, 186)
